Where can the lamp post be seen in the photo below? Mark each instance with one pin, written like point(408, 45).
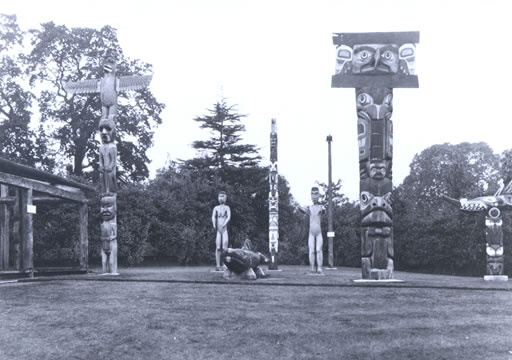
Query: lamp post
point(330, 232)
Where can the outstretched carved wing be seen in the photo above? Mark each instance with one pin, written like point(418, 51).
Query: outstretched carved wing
point(508, 189)
point(82, 87)
point(134, 82)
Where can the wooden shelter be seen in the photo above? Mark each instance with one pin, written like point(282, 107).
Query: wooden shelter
point(21, 189)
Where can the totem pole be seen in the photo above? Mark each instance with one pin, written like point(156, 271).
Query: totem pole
point(273, 200)
point(502, 200)
point(374, 64)
point(108, 88)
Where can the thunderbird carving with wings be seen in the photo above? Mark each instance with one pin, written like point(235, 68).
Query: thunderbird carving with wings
point(108, 86)
point(502, 200)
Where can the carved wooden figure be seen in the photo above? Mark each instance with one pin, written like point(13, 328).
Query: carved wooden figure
point(494, 242)
point(244, 263)
point(221, 216)
point(108, 156)
point(315, 238)
point(108, 233)
point(374, 64)
point(108, 86)
point(501, 200)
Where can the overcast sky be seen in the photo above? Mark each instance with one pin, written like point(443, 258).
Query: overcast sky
point(275, 59)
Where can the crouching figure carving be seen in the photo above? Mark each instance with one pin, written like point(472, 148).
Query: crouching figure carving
point(244, 263)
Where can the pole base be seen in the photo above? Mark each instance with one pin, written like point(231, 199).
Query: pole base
point(496, 278)
point(377, 281)
point(273, 261)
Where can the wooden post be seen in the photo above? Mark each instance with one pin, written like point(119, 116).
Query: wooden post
point(330, 232)
point(27, 235)
point(84, 238)
point(4, 229)
point(16, 229)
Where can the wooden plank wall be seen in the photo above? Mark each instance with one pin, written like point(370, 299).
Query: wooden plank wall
point(4, 230)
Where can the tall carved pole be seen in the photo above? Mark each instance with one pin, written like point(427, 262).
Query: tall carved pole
point(494, 244)
point(330, 231)
point(273, 200)
point(108, 88)
point(493, 205)
point(374, 64)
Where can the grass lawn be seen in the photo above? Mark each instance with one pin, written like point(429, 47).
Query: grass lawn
point(78, 319)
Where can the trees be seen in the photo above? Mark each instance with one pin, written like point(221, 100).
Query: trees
point(18, 141)
point(506, 165)
point(431, 234)
point(338, 198)
point(223, 148)
point(61, 54)
point(462, 170)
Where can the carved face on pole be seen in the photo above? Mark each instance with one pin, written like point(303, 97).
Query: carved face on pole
point(108, 208)
point(222, 197)
point(374, 104)
point(315, 195)
point(109, 65)
point(378, 170)
point(375, 210)
point(375, 59)
point(107, 130)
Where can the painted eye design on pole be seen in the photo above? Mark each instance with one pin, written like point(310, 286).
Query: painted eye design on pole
point(388, 60)
point(365, 198)
point(364, 99)
point(388, 55)
point(388, 100)
point(363, 58)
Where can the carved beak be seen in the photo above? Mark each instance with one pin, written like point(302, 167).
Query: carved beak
point(377, 112)
point(452, 200)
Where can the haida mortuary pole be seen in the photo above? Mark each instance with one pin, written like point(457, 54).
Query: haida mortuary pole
point(374, 64)
point(330, 231)
point(273, 201)
point(108, 88)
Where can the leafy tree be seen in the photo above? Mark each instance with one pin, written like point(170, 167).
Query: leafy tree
point(462, 170)
point(223, 149)
point(430, 234)
point(506, 165)
point(60, 54)
point(347, 240)
point(338, 198)
point(18, 141)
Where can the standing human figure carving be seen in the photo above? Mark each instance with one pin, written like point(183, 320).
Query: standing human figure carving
point(108, 232)
point(315, 239)
point(220, 218)
point(108, 156)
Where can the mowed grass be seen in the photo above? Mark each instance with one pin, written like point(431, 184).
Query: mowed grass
point(146, 320)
